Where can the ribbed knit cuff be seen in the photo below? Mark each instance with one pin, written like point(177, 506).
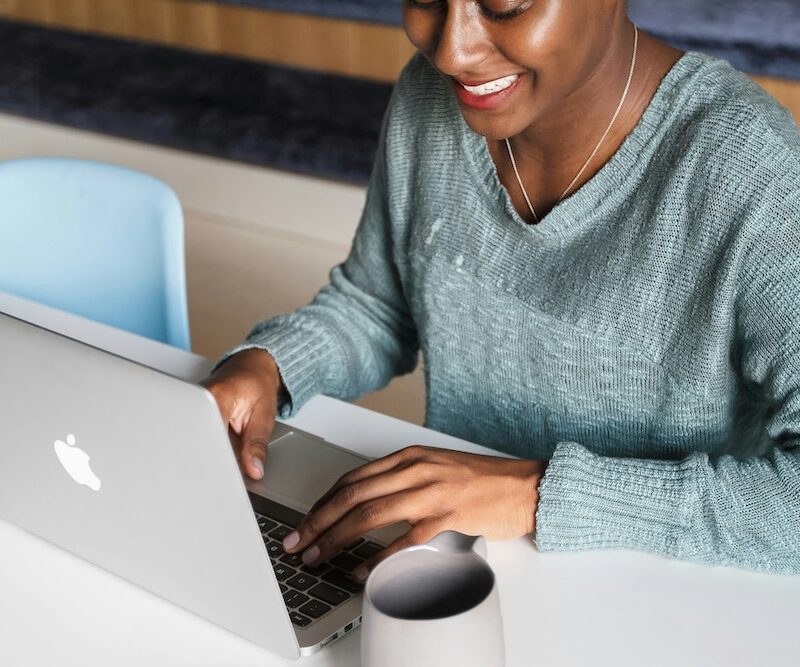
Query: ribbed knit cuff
point(303, 356)
point(588, 501)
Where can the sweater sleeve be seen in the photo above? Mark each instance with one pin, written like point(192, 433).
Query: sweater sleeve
point(357, 333)
point(726, 511)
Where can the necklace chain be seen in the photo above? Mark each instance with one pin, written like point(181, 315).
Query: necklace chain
point(599, 143)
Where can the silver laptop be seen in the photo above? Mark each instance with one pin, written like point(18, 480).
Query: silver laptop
point(132, 470)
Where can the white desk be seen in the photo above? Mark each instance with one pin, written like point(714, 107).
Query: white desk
point(601, 608)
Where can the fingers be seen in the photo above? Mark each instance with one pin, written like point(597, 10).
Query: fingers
point(422, 532)
point(225, 399)
point(249, 428)
point(345, 500)
point(246, 390)
point(383, 511)
point(255, 438)
point(402, 458)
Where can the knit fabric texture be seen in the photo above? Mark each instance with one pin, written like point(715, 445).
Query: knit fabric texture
point(644, 337)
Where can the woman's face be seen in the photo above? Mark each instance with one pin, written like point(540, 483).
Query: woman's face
point(514, 62)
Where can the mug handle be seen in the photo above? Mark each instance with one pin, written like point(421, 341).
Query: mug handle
point(455, 542)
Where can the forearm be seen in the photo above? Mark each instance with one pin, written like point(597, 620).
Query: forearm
point(728, 512)
point(343, 344)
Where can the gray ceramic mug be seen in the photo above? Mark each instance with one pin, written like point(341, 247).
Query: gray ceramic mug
point(433, 604)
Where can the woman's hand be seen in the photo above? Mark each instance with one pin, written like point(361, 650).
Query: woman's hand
point(246, 388)
point(433, 490)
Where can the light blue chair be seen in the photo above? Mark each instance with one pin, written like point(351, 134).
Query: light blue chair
point(96, 240)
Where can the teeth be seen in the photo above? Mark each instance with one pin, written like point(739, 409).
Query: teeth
point(492, 86)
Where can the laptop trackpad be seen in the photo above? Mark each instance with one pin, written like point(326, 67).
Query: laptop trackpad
point(301, 467)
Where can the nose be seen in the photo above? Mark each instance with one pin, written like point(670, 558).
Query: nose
point(462, 43)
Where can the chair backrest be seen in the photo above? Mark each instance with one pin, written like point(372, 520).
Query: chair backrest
point(96, 240)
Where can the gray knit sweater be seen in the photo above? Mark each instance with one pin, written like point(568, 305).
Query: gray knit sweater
point(644, 337)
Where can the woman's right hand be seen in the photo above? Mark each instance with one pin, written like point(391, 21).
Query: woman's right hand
point(246, 388)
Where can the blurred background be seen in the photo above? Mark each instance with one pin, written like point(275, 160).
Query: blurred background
point(263, 116)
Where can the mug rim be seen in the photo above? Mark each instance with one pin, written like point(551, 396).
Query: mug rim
point(370, 583)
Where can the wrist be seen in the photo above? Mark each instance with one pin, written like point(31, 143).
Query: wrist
point(530, 473)
point(257, 360)
point(274, 374)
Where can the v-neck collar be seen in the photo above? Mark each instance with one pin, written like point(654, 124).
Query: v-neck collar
point(571, 211)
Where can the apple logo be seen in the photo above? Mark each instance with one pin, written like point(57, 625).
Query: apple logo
point(76, 463)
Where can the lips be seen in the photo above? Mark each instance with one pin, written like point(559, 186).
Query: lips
point(486, 95)
point(488, 87)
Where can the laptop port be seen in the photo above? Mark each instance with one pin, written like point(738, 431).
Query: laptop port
point(348, 627)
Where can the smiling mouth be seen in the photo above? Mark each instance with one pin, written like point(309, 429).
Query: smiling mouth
point(490, 87)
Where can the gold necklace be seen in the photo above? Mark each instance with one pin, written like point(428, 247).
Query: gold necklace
point(599, 143)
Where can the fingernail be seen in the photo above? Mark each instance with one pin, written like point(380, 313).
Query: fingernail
point(291, 540)
point(310, 555)
point(360, 573)
point(258, 465)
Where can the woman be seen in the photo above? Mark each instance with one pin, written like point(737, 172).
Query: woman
point(628, 325)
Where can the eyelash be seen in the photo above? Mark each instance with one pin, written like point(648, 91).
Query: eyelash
point(503, 16)
point(488, 13)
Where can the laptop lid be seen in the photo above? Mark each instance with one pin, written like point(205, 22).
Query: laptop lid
point(132, 470)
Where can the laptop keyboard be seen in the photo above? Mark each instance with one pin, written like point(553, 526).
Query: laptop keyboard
point(309, 593)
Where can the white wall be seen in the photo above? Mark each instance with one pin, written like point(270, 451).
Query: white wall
point(259, 242)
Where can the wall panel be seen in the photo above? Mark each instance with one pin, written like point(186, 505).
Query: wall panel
point(109, 17)
point(343, 47)
point(196, 25)
point(786, 92)
point(153, 20)
point(73, 13)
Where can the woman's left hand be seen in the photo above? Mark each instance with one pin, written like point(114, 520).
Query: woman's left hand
point(433, 490)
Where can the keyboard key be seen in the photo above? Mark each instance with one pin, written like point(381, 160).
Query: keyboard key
point(275, 511)
point(346, 561)
point(368, 550)
point(343, 580)
point(354, 544)
point(317, 571)
point(329, 594)
point(283, 572)
point(265, 524)
point(294, 599)
point(299, 620)
point(302, 581)
point(279, 533)
point(315, 608)
point(294, 560)
point(274, 549)
point(284, 588)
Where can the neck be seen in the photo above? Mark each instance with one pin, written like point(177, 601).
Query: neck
point(560, 140)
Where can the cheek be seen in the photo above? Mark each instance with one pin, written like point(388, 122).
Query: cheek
point(528, 43)
point(420, 29)
point(553, 61)
point(545, 39)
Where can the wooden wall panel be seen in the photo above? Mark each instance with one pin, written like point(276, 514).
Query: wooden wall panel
point(785, 91)
point(241, 34)
point(110, 17)
point(195, 25)
point(74, 13)
point(292, 39)
point(152, 20)
point(378, 51)
point(344, 47)
point(37, 11)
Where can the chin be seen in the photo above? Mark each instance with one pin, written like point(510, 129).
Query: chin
point(494, 129)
